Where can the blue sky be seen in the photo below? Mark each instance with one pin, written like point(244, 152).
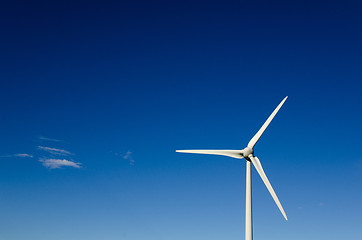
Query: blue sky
point(97, 96)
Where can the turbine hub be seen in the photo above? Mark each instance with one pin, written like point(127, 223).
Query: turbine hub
point(247, 151)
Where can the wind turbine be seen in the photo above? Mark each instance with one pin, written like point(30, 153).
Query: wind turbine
point(248, 154)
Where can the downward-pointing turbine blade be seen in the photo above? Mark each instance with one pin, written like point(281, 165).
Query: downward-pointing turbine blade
point(261, 172)
point(229, 153)
point(255, 139)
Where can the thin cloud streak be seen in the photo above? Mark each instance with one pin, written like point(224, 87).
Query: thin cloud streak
point(55, 150)
point(23, 155)
point(49, 139)
point(53, 163)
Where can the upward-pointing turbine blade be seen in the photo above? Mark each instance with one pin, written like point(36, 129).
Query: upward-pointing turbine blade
point(261, 172)
point(229, 153)
point(255, 139)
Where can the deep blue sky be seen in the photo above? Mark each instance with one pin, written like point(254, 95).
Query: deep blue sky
point(121, 86)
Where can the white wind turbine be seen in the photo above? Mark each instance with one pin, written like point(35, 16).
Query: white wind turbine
point(248, 154)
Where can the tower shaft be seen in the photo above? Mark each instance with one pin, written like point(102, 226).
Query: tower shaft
point(248, 208)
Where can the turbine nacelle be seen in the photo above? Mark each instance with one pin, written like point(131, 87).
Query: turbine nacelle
point(246, 152)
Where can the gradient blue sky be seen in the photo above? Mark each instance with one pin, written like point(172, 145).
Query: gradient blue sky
point(120, 86)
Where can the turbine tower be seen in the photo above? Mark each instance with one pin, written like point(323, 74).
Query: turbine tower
point(248, 154)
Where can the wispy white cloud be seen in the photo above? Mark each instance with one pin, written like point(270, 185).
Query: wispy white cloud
point(58, 163)
point(55, 150)
point(23, 155)
point(49, 139)
point(128, 156)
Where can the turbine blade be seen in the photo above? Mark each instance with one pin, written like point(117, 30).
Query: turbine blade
point(230, 153)
point(256, 137)
point(261, 172)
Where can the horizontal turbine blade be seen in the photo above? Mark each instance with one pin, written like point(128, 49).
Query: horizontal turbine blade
point(230, 153)
point(255, 139)
point(261, 172)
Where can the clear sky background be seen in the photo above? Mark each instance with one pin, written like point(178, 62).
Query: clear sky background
point(97, 96)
